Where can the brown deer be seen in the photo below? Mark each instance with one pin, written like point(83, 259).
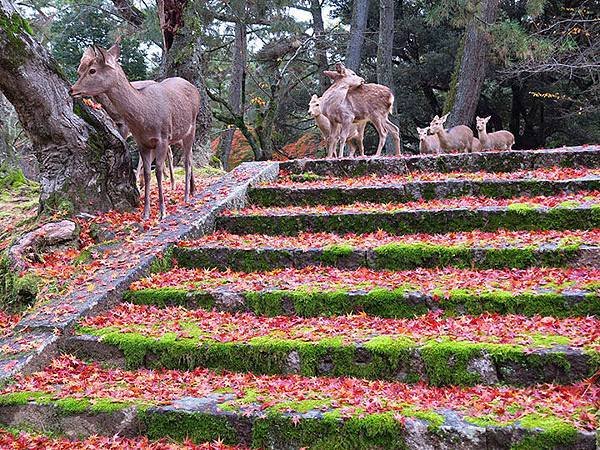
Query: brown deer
point(158, 115)
point(499, 140)
point(87, 59)
point(428, 143)
point(458, 138)
point(356, 132)
point(350, 100)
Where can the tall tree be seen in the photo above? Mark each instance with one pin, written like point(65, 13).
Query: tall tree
point(473, 64)
point(360, 13)
point(182, 57)
point(84, 165)
point(238, 78)
point(385, 47)
point(316, 12)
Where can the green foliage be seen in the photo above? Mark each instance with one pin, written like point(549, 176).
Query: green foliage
point(16, 292)
point(94, 25)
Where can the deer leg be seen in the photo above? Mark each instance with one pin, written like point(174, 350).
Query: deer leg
point(333, 141)
point(139, 172)
point(352, 149)
point(382, 130)
point(170, 164)
point(146, 156)
point(190, 187)
point(161, 156)
point(344, 133)
point(361, 136)
point(395, 131)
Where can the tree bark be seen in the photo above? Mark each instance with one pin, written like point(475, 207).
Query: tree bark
point(358, 26)
point(386, 44)
point(320, 44)
point(182, 57)
point(128, 11)
point(237, 83)
point(84, 165)
point(473, 65)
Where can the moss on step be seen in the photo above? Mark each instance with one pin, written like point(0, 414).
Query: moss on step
point(333, 253)
point(383, 357)
point(170, 297)
point(194, 426)
point(368, 432)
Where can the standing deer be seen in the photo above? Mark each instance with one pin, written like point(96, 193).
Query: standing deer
point(87, 59)
point(458, 138)
point(350, 100)
point(428, 143)
point(158, 115)
point(356, 131)
point(499, 140)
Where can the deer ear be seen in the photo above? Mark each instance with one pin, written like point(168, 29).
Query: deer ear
point(435, 118)
point(340, 68)
point(314, 97)
point(445, 117)
point(331, 74)
point(115, 51)
point(488, 118)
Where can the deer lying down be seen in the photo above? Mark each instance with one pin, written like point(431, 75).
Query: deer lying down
point(459, 138)
point(355, 137)
point(159, 115)
point(499, 140)
point(350, 100)
point(86, 59)
point(428, 144)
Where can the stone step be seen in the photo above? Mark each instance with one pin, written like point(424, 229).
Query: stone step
point(293, 412)
point(322, 290)
point(466, 350)
point(463, 214)
point(332, 193)
point(16, 439)
point(390, 256)
point(570, 157)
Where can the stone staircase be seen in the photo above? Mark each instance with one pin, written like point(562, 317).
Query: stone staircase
point(446, 302)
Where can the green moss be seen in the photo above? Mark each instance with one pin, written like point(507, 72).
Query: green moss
point(551, 433)
point(521, 208)
point(398, 256)
point(16, 292)
point(435, 420)
point(301, 406)
point(162, 263)
point(70, 406)
point(540, 340)
point(367, 432)
point(333, 253)
point(181, 426)
point(20, 398)
point(306, 177)
point(14, 26)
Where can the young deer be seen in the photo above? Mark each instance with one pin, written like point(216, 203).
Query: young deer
point(158, 115)
point(499, 140)
point(428, 143)
point(122, 128)
point(458, 138)
point(349, 100)
point(356, 131)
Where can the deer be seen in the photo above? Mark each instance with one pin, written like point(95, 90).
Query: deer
point(351, 100)
point(428, 143)
point(498, 140)
point(356, 131)
point(458, 138)
point(158, 115)
point(121, 126)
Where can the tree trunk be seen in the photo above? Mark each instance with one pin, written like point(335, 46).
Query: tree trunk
point(473, 65)
point(320, 44)
point(182, 57)
point(360, 11)
point(236, 87)
point(386, 43)
point(84, 165)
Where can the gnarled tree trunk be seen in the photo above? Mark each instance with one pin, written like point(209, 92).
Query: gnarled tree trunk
point(182, 57)
point(320, 43)
point(473, 64)
point(84, 166)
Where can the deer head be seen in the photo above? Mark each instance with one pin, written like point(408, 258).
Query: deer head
point(422, 132)
point(314, 107)
point(344, 76)
point(437, 124)
point(482, 122)
point(98, 70)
